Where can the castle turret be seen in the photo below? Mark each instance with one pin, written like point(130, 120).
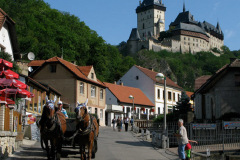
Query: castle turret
point(149, 14)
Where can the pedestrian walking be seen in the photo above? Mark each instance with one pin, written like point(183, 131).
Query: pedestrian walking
point(182, 139)
point(119, 124)
point(126, 121)
point(114, 123)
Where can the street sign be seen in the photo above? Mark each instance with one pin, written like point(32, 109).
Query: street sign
point(204, 126)
point(231, 125)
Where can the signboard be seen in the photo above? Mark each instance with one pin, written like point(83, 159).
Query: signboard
point(204, 126)
point(31, 119)
point(231, 125)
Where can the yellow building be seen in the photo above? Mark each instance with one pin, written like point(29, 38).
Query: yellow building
point(76, 83)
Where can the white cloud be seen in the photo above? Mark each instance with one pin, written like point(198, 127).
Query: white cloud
point(216, 6)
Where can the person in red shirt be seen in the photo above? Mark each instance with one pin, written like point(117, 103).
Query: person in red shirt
point(188, 148)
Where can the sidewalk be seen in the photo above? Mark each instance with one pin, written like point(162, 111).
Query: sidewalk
point(112, 145)
point(169, 153)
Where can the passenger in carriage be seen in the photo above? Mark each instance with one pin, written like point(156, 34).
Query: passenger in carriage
point(60, 108)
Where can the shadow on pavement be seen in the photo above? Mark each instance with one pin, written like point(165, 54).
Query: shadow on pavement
point(139, 144)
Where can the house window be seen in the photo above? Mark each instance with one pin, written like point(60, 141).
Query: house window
point(170, 96)
point(96, 112)
point(101, 93)
point(82, 88)
point(158, 110)
point(92, 75)
point(53, 68)
point(137, 77)
point(93, 91)
point(237, 80)
point(143, 26)
point(174, 94)
point(158, 93)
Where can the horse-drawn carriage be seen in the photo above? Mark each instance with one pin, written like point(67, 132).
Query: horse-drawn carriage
point(81, 131)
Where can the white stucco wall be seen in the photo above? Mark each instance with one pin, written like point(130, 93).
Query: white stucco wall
point(144, 83)
point(5, 40)
point(160, 101)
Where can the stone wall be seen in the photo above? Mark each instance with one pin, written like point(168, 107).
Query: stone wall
point(8, 144)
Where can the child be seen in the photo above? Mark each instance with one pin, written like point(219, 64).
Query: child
point(188, 148)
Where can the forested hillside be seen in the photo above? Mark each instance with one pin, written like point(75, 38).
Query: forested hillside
point(185, 68)
point(48, 32)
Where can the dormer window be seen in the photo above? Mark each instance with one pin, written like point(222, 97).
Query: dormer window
point(92, 75)
point(53, 68)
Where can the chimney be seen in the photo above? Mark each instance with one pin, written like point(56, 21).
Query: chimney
point(151, 69)
point(121, 83)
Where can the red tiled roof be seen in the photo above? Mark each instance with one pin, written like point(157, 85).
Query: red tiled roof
point(152, 74)
point(74, 68)
point(235, 63)
point(36, 63)
point(3, 17)
point(189, 94)
point(85, 69)
point(123, 92)
point(200, 81)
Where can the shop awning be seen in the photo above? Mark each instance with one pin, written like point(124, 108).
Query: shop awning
point(9, 74)
point(19, 93)
point(6, 100)
point(12, 83)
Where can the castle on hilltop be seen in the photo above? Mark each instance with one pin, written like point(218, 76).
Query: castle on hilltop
point(184, 34)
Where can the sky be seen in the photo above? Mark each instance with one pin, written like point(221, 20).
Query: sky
point(113, 20)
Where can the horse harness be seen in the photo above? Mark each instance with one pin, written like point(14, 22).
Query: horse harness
point(91, 127)
point(56, 122)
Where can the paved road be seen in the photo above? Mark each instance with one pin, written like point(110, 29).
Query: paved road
point(111, 146)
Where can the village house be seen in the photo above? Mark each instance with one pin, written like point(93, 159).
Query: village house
point(8, 38)
point(75, 83)
point(219, 94)
point(146, 81)
point(118, 103)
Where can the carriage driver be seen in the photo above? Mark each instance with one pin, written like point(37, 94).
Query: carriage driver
point(60, 108)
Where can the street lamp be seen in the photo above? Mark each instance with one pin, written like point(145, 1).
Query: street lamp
point(131, 97)
point(160, 76)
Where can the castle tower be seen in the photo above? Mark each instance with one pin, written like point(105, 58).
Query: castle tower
point(150, 18)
